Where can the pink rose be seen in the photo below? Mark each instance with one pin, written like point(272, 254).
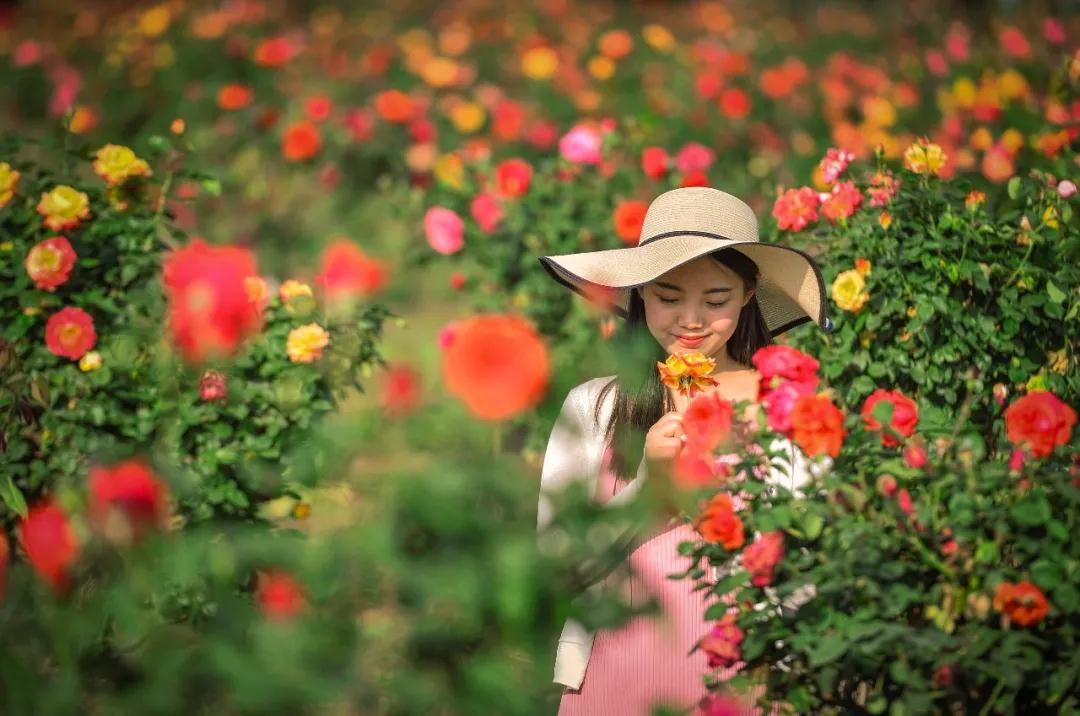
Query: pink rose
point(762, 556)
point(780, 400)
point(486, 211)
point(1066, 188)
point(694, 157)
point(580, 145)
point(445, 230)
point(446, 335)
point(780, 361)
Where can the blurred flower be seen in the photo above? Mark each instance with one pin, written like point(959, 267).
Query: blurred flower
point(126, 499)
point(360, 123)
point(817, 426)
point(305, 343)
point(457, 280)
point(735, 103)
point(707, 423)
point(687, 373)
point(213, 386)
point(301, 140)
point(903, 501)
point(717, 705)
point(48, 263)
point(1014, 43)
point(905, 416)
point(467, 117)
point(1039, 421)
point(317, 108)
point(394, 106)
point(834, 163)
point(233, 96)
point(886, 485)
point(796, 208)
point(449, 170)
point(761, 557)
point(69, 333)
point(694, 157)
point(842, 202)
point(90, 361)
point(445, 337)
point(849, 291)
point(654, 162)
point(444, 229)
point(49, 542)
point(616, 44)
point(718, 523)
point(63, 208)
point(721, 644)
point(116, 164)
point(210, 311)
point(486, 211)
point(497, 364)
point(278, 594)
point(658, 37)
point(923, 157)
point(1065, 188)
point(883, 187)
point(9, 179)
point(507, 120)
point(781, 400)
point(1053, 30)
point(628, 218)
point(778, 362)
point(346, 271)
point(862, 266)
point(177, 126)
point(539, 63)
point(694, 178)
point(291, 288)
point(274, 51)
point(1023, 602)
point(974, 199)
point(512, 177)
point(581, 145)
point(915, 454)
point(400, 393)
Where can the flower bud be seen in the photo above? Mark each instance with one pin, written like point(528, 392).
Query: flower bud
point(886, 485)
point(212, 386)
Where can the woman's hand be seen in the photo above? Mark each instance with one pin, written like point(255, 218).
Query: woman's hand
point(663, 443)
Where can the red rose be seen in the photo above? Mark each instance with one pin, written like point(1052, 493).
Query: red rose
point(654, 162)
point(400, 390)
point(209, 307)
point(69, 333)
point(904, 418)
point(512, 177)
point(707, 423)
point(347, 271)
point(778, 361)
point(49, 542)
point(302, 140)
point(628, 218)
point(278, 595)
point(128, 490)
point(1040, 421)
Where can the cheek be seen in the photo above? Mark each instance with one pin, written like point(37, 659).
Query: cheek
point(725, 323)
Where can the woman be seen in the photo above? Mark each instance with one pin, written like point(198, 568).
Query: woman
point(698, 281)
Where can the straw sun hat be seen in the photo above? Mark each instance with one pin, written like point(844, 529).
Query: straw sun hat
point(683, 224)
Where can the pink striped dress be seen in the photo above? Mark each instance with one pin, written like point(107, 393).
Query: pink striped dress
point(647, 662)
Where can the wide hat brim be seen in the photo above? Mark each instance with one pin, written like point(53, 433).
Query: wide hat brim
point(790, 291)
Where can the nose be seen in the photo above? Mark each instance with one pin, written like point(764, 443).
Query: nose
point(689, 318)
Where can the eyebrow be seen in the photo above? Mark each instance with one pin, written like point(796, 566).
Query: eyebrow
point(673, 287)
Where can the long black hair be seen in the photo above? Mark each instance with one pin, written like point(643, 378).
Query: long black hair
point(640, 397)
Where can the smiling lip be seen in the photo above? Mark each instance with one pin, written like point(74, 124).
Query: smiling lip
point(690, 340)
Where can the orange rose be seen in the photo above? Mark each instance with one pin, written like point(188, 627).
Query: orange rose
point(1040, 421)
point(689, 374)
point(394, 106)
point(234, 96)
point(629, 216)
point(1023, 603)
point(49, 262)
point(301, 141)
point(719, 524)
point(817, 426)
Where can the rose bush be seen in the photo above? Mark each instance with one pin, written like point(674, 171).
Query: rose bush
point(239, 379)
point(936, 580)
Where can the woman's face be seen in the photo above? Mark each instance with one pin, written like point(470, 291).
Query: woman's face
point(695, 307)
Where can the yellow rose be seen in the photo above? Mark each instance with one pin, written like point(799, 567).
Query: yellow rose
point(849, 291)
point(539, 63)
point(923, 157)
point(306, 343)
point(439, 71)
point(1058, 361)
point(1050, 217)
point(90, 361)
point(9, 178)
point(292, 288)
point(450, 171)
point(467, 117)
point(116, 164)
point(658, 37)
point(63, 207)
point(602, 68)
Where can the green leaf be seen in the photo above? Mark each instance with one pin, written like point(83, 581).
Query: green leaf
point(1054, 293)
point(12, 496)
point(1046, 574)
point(830, 648)
point(1014, 188)
point(1067, 598)
point(1032, 511)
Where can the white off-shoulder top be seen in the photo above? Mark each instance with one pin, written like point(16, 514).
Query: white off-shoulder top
point(575, 451)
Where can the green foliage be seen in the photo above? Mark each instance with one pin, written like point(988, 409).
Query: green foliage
point(959, 296)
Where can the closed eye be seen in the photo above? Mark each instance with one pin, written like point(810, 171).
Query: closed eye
point(710, 304)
